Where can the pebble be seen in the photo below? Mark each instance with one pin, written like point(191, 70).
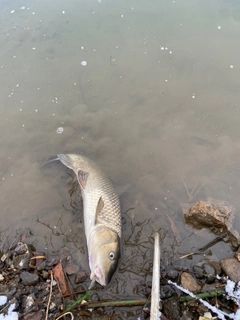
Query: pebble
point(189, 283)
point(22, 261)
point(166, 292)
point(172, 274)
point(81, 277)
point(231, 267)
point(28, 278)
point(71, 268)
point(171, 309)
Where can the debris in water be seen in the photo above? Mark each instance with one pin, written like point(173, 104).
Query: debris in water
point(60, 130)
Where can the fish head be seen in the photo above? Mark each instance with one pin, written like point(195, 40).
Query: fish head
point(104, 252)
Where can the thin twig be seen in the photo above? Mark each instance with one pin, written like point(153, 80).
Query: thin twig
point(50, 295)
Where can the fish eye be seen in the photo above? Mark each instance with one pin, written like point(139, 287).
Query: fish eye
point(112, 255)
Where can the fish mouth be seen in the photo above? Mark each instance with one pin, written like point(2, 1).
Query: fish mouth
point(97, 275)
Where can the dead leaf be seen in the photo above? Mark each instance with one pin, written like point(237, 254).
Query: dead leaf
point(59, 276)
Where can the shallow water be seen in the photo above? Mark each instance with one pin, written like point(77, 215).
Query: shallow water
point(156, 106)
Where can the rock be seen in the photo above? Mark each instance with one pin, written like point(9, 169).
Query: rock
point(166, 292)
point(210, 273)
point(80, 289)
point(7, 290)
point(234, 239)
point(22, 248)
point(45, 274)
point(28, 303)
point(81, 277)
point(188, 282)
point(231, 267)
point(71, 268)
point(173, 274)
point(237, 256)
point(198, 271)
point(39, 315)
point(1, 277)
point(28, 278)
point(22, 261)
point(210, 268)
point(212, 214)
point(41, 266)
point(171, 309)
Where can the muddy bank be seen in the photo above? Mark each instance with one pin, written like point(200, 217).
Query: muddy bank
point(33, 286)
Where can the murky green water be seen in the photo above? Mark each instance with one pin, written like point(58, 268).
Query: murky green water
point(156, 106)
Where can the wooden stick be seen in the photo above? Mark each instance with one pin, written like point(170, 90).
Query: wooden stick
point(155, 298)
point(50, 295)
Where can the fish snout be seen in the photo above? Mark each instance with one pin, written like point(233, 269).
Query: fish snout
point(98, 276)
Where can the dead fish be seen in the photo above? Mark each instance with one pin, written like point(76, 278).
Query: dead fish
point(102, 216)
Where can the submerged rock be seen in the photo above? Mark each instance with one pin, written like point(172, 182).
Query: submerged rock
point(189, 283)
point(214, 215)
point(231, 267)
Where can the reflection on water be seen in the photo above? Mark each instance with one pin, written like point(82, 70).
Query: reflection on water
point(156, 105)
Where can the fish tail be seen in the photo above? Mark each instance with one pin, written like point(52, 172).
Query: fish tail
point(66, 160)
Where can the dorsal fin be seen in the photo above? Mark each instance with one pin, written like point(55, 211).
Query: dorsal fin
point(82, 178)
point(99, 208)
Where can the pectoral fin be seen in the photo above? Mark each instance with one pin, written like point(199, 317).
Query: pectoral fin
point(99, 209)
point(82, 178)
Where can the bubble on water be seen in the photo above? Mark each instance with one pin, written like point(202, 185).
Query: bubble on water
point(84, 63)
point(60, 130)
point(219, 27)
point(162, 48)
point(17, 85)
point(12, 11)
point(193, 96)
point(22, 8)
point(63, 12)
point(122, 16)
point(231, 66)
point(170, 52)
point(34, 48)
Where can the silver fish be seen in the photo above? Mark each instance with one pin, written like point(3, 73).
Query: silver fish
point(102, 216)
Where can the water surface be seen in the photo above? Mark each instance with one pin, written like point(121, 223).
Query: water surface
point(156, 106)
